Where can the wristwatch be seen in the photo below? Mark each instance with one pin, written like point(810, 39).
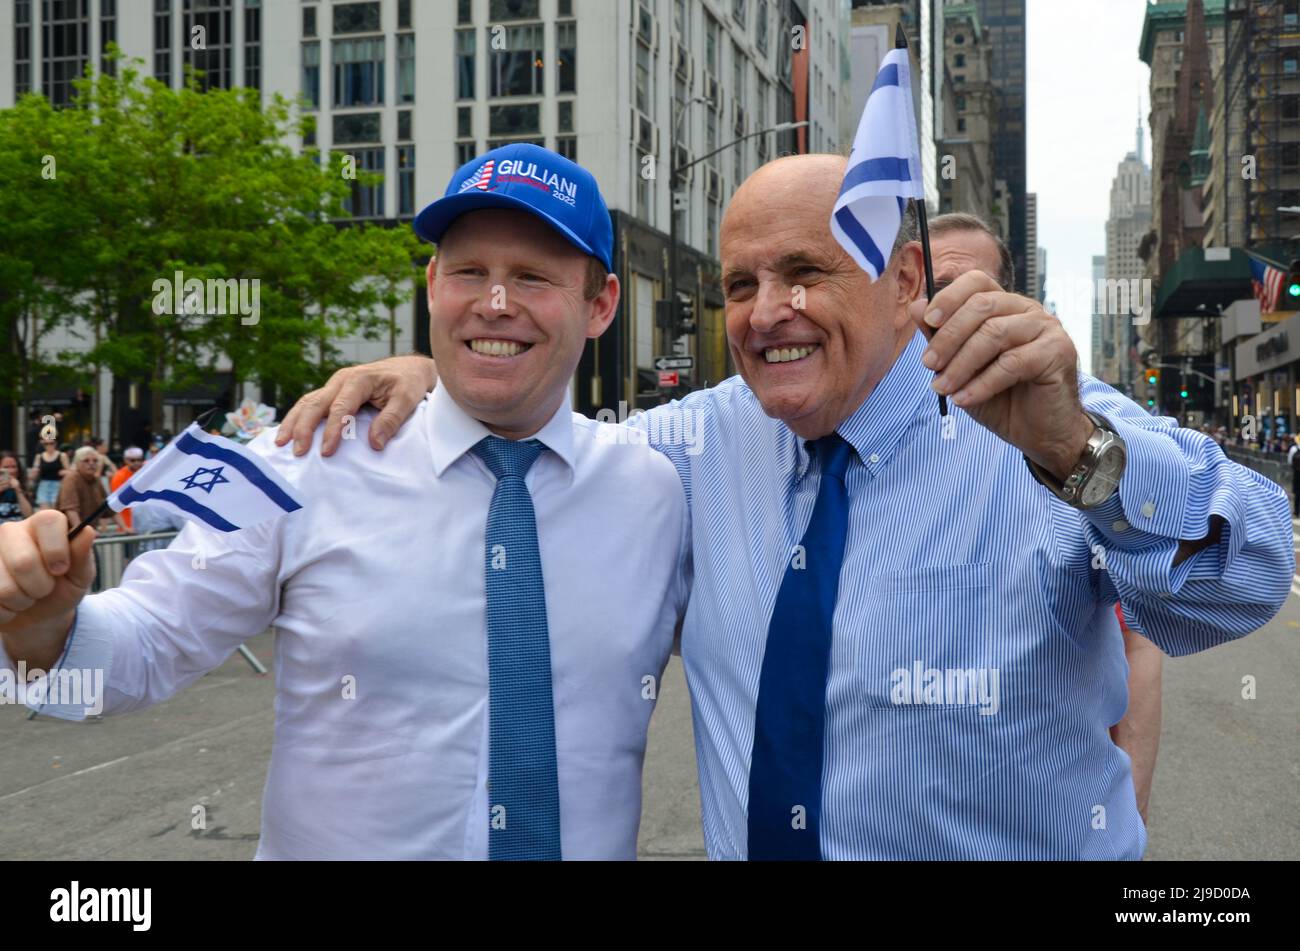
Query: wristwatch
point(1095, 477)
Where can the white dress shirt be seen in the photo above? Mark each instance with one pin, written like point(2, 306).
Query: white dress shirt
point(377, 593)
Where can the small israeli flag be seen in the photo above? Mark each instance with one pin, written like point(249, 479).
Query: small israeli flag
point(884, 169)
point(210, 480)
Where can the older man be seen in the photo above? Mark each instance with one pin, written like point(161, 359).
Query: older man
point(900, 640)
point(450, 681)
point(960, 243)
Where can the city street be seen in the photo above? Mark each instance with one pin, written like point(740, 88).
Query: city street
point(127, 787)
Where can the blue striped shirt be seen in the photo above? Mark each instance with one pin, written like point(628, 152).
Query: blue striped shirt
point(977, 663)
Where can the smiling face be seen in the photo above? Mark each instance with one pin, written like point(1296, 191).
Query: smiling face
point(809, 331)
point(960, 250)
point(508, 318)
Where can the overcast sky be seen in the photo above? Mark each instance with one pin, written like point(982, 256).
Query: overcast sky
point(1083, 80)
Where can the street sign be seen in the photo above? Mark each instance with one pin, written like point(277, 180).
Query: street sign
point(667, 378)
point(674, 363)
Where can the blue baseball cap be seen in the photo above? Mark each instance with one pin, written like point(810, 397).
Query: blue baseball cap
point(532, 179)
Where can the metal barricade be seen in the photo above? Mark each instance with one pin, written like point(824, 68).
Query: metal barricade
point(114, 552)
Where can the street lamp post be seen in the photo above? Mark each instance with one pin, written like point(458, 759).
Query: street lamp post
point(676, 172)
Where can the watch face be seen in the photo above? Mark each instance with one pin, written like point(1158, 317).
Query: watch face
point(1105, 478)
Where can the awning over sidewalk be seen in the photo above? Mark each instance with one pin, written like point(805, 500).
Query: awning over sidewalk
point(1202, 281)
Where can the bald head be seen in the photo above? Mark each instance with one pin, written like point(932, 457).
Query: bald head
point(808, 183)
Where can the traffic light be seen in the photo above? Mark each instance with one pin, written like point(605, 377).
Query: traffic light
point(1153, 377)
point(1291, 288)
point(1183, 394)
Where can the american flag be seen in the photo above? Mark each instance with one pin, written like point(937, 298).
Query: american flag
point(482, 178)
point(1266, 281)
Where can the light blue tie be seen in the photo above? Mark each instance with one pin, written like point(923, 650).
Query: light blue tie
point(524, 789)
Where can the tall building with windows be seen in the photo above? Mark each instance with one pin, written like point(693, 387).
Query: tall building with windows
point(1127, 224)
point(1005, 20)
point(412, 89)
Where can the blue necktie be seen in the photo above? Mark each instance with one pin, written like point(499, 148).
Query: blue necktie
point(785, 772)
point(524, 789)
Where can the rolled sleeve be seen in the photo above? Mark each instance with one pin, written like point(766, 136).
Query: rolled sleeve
point(1175, 481)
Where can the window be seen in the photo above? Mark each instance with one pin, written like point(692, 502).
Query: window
point(65, 38)
point(404, 125)
point(497, 143)
point(567, 145)
point(566, 59)
point(711, 226)
point(464, 153)
point(712, 46)
point(356, 18)
point(512, 120)
point(959, 39)
point(1289, 66)
point(517, 70)
point(1290, 155)
point(1291, 107)
point(367, 201)
point(107, 33)
point(356, 127)
point(311, 73)
point(406, 67)
point(564, 115)
point(465, 122)
point(22, 47)
point(740, 13)
point(499, 10)
point(564, 8)
point(405, 180)
point(761, 24)
point(643, 94)
point(464, 64)
point(308, 21)
point(961, 125)
point(210, 19)
point(959, 60)
point(403, 14)
point(359, 72)
point(253, 44)
point(961, 102)
point(682, 21)
point(465, 14)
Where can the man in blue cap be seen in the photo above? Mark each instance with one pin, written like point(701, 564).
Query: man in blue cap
point(498, 707)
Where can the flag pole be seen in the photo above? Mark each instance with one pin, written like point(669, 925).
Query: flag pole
point(93, 516)
point(900, 42)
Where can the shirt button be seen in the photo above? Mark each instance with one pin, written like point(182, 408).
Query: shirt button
point(874, 459)
point(1148, 508)
point(1119, 526)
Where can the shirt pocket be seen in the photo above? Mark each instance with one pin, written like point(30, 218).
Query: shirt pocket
point(924, 640)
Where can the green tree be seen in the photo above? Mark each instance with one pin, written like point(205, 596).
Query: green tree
point(135, 183)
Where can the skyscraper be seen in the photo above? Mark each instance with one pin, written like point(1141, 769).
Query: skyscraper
point(1005, 20)
point(1127, 223)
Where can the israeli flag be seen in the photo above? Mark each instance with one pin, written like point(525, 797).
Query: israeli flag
point(884, 169)
point(210, 480)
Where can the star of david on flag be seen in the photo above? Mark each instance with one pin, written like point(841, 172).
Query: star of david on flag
point(210, 480)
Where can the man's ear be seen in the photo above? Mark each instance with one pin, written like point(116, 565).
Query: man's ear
point(911, 273)
point(604, 307)
point(430, 277)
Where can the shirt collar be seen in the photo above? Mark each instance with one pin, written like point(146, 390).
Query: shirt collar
point(453, 432)
point(876, 427)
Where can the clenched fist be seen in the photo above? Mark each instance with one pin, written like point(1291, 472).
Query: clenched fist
point(43, 577)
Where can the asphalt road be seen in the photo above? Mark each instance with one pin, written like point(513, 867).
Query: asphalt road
point(128, 787)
